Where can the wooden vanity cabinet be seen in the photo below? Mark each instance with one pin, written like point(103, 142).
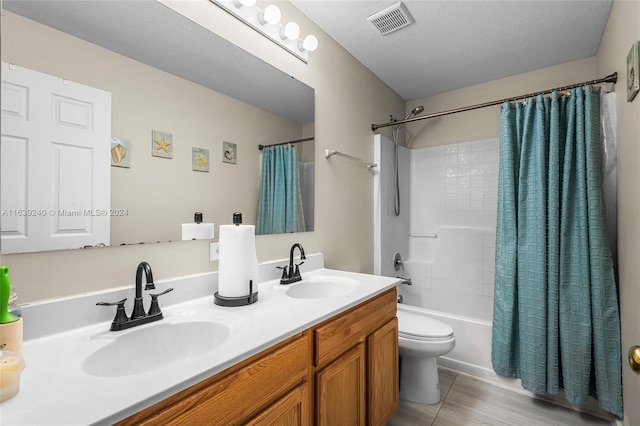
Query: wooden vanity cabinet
point(342, 371)
point(270, 388)
point(356, 364)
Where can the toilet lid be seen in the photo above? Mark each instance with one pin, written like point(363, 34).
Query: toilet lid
point(421, 326)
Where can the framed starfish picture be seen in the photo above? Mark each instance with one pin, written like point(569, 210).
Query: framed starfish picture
point(200, 160)
point(161, 144)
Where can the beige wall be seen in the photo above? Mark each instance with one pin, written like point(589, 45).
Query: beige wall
point(485, 123)
point(348, 99)
point(622, 30)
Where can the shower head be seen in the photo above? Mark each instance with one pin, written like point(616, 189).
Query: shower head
point(417, 110)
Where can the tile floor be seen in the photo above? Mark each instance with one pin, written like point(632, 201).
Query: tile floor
point(470, 401)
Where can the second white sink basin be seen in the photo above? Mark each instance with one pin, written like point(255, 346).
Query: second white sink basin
point(154, 346)
point(321, 286)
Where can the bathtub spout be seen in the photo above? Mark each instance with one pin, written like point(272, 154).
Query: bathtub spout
point(406, 281)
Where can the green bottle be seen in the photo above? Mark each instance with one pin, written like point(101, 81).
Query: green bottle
point(5, 290)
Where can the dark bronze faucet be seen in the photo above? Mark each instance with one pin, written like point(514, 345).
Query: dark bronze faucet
point(291, 274)
point(138, 307)
point(138, 315)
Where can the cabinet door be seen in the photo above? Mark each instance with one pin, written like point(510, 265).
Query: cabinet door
point(382, 358)
point(291, 410)
point(340, 390)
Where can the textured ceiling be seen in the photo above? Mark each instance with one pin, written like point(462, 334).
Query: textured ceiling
point(455, 44)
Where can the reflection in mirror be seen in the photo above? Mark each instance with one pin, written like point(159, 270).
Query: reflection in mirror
point(180, 96)
point(284, 197)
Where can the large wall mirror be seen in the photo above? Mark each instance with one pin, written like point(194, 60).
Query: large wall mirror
point(213, 102)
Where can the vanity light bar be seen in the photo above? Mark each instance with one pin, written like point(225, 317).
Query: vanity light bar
point(286, 35)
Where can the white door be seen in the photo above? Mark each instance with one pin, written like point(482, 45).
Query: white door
point(55, 177)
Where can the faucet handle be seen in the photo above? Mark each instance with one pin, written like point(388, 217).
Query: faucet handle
point(121, 315)
point(154, 309)
point(296, 272)
point(285, 272)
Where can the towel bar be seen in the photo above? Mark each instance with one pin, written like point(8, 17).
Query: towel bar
point(330, 152)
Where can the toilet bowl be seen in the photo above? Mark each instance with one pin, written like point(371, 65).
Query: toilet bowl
point(421, 339)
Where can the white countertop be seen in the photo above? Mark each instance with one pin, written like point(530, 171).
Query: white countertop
point(54, 389)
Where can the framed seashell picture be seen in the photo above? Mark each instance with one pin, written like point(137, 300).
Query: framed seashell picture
point(633, 64)
point(120, 152)
point(229, 152)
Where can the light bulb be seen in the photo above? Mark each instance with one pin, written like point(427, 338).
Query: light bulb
point(291, 31)
point(271, 15)
point(310, 43)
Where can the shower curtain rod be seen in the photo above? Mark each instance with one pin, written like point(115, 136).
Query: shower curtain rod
point(612, 78)
point(261, 147)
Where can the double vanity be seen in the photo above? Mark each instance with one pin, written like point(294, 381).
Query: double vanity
point(319, 351)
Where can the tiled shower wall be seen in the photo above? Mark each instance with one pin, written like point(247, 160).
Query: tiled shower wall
point(453, 193)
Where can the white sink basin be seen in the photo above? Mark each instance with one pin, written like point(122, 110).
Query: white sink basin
point(322, 286)
point(154, 346)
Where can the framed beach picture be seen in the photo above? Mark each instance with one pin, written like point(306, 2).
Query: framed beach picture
point(633, 68)
point(162, 144)
point(229, 152)
point(120, 152)
point(200, 159)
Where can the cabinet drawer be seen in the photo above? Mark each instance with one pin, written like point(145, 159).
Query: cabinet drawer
point(337, 335)
point(234, 396)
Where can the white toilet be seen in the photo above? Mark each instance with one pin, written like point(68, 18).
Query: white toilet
point(421, 339)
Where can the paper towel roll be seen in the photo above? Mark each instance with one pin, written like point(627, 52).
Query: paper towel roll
point(238, 262)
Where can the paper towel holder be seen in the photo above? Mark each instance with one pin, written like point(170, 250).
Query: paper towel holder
point(249, 299)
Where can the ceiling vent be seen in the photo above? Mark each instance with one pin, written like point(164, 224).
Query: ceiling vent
point(391, 18)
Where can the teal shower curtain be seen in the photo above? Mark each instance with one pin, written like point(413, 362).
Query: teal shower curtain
point(556, 323)
point(278, 203)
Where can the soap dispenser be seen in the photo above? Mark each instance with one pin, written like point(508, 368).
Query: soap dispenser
point(237, 265)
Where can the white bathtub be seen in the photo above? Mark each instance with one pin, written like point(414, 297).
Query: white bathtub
point(472, 353)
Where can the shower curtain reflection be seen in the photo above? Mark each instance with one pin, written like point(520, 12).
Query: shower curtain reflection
point(280, 203)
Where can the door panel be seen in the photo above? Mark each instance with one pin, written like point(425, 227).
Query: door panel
point(55, 160)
